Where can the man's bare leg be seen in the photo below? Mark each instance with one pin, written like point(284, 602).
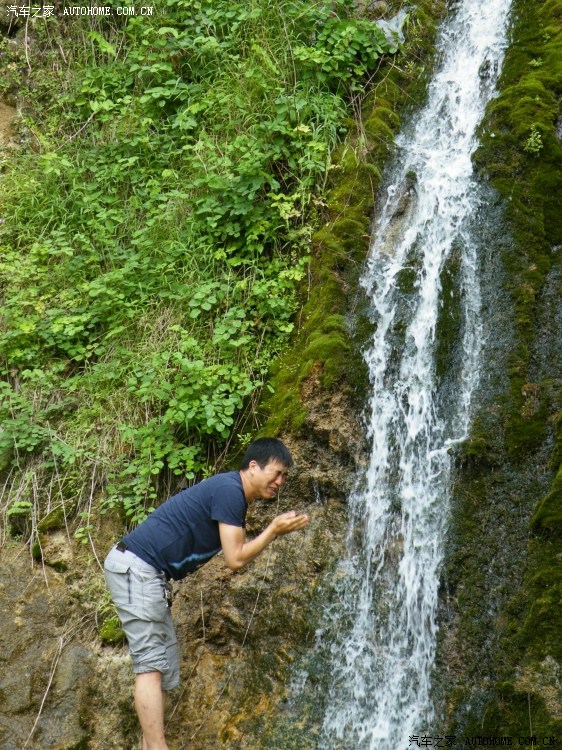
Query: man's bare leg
point(149, 704)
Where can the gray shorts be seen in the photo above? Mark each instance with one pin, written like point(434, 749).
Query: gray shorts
point(137, 590)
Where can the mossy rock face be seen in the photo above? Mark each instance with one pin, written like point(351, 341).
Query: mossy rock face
point(52, 521)
point(381, 134)
point(448, 329)
point(353, 237)
point(501, 639)
point(474, 452)
point(547, 519)
point(407, 279)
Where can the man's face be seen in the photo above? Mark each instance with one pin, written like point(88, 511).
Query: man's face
point(266, 482)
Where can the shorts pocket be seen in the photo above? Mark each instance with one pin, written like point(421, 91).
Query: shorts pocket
point(152, 593)
point(116, 566)
point(117, 562)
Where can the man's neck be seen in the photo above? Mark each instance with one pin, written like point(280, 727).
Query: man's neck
point(246, 486)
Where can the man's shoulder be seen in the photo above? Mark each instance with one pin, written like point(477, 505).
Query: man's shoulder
point(224, 479)
point(228, 481)
point(227, 476)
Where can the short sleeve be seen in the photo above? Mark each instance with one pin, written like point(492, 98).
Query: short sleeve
point(228, 505)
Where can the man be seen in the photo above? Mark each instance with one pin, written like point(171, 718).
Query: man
point(177, 538)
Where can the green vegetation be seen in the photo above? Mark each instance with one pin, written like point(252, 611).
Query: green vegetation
point(522, 154)
point(323, 351)
point(157, 223)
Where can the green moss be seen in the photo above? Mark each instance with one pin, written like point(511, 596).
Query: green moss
point(524, 635)
point(52, 521)
point(547, 520)
point(540, 632)
point(447, 332)
point(524, 436)
point(528, 100)
point(526, 424)
point(475, 451)
point(353, 195)
point(514, 713)
point(352, 237)
point(388, 116)
point(531, 85)
point(406, 279)
point(110, 631)
point(381, 135)
point(533, 654)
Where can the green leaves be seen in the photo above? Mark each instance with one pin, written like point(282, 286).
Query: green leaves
point(533, 144)
point(157, 230)
point(102, 43)
point(344, 50)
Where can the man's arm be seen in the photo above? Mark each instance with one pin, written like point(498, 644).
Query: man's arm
point(237, 551)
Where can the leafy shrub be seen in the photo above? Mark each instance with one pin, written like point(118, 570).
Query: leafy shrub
point(157, 220)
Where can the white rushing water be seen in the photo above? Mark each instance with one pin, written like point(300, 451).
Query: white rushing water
point(381, 628)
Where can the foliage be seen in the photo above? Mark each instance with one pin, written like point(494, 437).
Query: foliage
point(344, 50)
point(533, 144)
point(157, 218)
point(323, 352)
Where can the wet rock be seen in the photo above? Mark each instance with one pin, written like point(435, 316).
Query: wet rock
point(402, 215)
point(376, 8)
point(56, 550)
point(545, 680)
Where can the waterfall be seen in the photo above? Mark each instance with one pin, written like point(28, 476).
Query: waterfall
point(380, 629)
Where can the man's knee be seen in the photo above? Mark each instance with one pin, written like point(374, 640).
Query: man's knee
point(148, 679)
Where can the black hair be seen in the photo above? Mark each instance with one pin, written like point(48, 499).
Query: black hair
point(266, 449)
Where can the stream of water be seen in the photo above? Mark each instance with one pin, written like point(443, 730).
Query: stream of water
point(380, 630)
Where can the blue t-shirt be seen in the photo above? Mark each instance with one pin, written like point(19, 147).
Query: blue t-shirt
point(183, 533)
